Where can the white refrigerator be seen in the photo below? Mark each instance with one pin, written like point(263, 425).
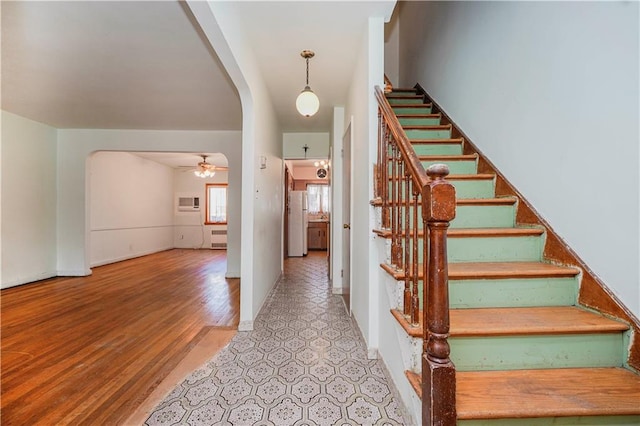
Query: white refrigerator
point(298, 223)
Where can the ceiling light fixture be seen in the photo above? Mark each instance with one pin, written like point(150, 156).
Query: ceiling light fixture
point(307, 102)
point(204, 169)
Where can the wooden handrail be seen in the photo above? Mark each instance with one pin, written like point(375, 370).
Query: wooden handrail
point(404, 188)
point(416, 170)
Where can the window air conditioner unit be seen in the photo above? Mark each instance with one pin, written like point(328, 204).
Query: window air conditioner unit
point(188, 204)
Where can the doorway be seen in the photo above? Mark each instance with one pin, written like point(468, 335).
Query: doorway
point(346, 216)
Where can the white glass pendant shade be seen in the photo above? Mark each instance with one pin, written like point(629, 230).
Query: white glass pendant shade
point(307, 102)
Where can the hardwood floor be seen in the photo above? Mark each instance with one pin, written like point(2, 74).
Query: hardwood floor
point(89, 350)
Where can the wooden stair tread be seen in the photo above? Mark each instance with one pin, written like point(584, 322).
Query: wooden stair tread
point(433, 115)
point(436, 141)
point(404, 89)
point(392, 96)
point(559, 392)
point(493, 232)
point(473, 176)
point(496, 270)
point(465, 157)
point(547, 393)
point(474, 232)
point(528, 321)
point(427, 127)
point(503, 201)
point(427, 105)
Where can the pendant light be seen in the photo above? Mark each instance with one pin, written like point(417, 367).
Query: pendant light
point(307, 102)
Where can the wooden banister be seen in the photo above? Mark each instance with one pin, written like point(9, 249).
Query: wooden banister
point(438, 372)
point(409, 194)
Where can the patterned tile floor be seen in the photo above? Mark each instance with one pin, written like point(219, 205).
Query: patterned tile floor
point(304, 363)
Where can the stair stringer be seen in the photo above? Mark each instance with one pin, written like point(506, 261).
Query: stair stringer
point(593, 293)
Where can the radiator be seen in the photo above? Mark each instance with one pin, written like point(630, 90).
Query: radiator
point(219, 239)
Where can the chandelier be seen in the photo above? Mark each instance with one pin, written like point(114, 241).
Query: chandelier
point(307, 102)
point(204, 169)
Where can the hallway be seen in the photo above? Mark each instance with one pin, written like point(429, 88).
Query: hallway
point(304, 363)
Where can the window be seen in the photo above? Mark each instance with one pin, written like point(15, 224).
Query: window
point(216, 203)
point(318, 198)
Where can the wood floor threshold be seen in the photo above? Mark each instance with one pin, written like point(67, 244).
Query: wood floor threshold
point(495, 270)
point(530, 321)
point(565, 392)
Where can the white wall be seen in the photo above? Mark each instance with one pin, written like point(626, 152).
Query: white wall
point(73, 210)
point(549, 92)
point(28, 236)
point(337, 169)
point(309, 173)
point(391, 48)
point(363, 107)
point(262, 189)
point(131, 203)
point(293, 145)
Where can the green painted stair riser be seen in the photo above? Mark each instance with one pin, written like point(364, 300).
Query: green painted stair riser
point(557, 421)
point(456, 167)
point(492, 249)
point(492, 216)
point(513, 292)
point(510, 293)
point(403, 93)
point(411, 110)
point(414, 101)
point(410, 121)
point(428, 134)
point(465, 189)
point(438, 148)
point(469, 216)
point(537, 351)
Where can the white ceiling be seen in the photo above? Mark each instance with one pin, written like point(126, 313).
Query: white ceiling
point(145, 65)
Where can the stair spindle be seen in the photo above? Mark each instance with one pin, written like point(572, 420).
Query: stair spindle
point(407, 251)
point(415, 297)
point(393, 165)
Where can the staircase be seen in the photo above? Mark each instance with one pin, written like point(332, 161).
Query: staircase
point(525, 351)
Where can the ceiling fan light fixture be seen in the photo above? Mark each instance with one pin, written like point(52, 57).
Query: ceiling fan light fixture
point(204, 169)
point(307, 102)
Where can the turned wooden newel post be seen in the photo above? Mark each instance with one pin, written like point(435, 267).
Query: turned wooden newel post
point(438, 372)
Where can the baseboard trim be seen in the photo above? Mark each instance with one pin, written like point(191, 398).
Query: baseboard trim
point(30, 279)
point(74, 272)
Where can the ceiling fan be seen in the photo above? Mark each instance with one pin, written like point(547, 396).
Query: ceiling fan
point(205, 170)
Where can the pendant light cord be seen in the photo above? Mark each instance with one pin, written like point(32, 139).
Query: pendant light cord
point(307, 71)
